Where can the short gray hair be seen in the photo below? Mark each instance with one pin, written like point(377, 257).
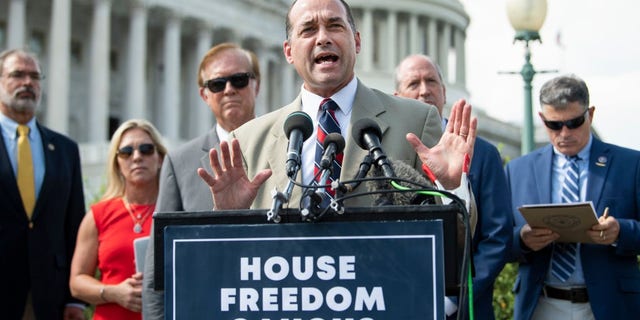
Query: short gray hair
point(560, 91)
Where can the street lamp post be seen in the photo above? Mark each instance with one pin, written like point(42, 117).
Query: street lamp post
point(527, 17)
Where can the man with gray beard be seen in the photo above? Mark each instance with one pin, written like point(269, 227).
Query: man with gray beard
point(41, 199)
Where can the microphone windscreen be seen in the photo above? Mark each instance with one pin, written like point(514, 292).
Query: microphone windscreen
point(336, 138)
point(402, 171)
point(363, 126)
point(298, 120)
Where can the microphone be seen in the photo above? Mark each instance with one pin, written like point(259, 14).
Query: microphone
point(403, 171)
point(333, 145)
point(298, 128)
point(367, 134)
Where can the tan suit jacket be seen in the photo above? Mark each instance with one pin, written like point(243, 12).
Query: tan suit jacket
point(264, 143)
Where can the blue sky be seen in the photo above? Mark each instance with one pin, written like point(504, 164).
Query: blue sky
point(594, 39)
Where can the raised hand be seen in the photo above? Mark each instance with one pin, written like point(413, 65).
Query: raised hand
point(446, 158)
point(230, 187)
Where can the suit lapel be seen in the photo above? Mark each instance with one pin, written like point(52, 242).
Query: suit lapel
point(365, 105)
point(49, 149)
point(209, 141)
point(278, 158)
point(542, 173)
point(9, 183)
point(600, 161)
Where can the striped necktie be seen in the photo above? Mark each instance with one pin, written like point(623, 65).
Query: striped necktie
point(26, 180)
point(563, 261)
point(327, 123)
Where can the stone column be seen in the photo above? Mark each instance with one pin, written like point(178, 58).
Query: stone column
point(461, 65)
point(17, 25)
point(170, 108)
point(367, 39)
point(136, 103)
point(263, 102)
point(414, 38)
point(99, 75)
point(392, 40)
point(59, 60)
point(288, 89)
point(204, 120)
point(443, 57)
point(432, 39)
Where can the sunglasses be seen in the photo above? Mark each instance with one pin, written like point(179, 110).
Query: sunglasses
point(571, 123)
point(145, 149)
point(238, 81)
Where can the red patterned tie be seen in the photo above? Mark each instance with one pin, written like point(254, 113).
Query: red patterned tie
point(327, 123)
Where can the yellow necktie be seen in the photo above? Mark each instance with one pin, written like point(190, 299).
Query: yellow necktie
point(26, 181)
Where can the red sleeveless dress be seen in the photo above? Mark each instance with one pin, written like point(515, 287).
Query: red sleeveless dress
point(115, 248)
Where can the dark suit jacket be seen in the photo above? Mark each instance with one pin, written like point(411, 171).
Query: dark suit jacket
point(611, 272)
point(492, 238)
point(264, 143)
point(181, 189)
point(39, 259)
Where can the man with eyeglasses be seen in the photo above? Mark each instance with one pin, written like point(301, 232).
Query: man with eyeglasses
point(42, 200)
point(599, 280)
point(229, 81)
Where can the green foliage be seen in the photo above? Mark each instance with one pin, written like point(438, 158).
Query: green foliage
point(502, 294)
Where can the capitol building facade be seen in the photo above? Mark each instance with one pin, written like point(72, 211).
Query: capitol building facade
point(107, 61)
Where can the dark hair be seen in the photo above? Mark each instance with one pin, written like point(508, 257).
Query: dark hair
point(560, 91)
point(352, 23)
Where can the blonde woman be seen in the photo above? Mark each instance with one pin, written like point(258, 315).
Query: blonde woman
point(105, 238)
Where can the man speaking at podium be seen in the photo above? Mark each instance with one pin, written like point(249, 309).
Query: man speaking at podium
point(322, 43)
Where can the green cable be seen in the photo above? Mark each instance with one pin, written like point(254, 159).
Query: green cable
point(470, 280)
point(425, 192)
point(469, 273)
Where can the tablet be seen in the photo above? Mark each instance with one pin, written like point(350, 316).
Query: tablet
point(139, 250)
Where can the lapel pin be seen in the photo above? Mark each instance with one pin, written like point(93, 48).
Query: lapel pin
point(602, 161)
point(51, 147)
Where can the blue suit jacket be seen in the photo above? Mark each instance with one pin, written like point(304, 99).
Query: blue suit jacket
point(492, 239)
point(39, 259)
point(611, 272)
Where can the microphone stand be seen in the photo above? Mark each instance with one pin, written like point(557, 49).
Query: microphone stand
point(279, 198)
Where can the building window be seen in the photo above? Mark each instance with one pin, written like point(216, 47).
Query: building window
point(76, 52)
point(3, 35)
point(36, 43)
point(113, 60)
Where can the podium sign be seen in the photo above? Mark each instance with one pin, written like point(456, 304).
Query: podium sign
point(331, 270)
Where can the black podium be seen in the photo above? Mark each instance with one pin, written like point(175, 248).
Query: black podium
point(367, 263)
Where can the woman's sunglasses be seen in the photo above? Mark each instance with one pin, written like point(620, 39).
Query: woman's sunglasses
point(571, 123)
point(145, 149)
point(238, 81)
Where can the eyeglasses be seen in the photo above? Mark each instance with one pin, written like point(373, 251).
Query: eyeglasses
point(571, 123)
point(238, 81)
point(34, 75)
point(145, 149)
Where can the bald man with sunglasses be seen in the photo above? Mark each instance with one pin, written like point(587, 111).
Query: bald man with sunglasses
point(228, 81)
point(599, 280)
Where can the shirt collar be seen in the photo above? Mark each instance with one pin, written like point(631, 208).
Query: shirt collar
point(582, 154)
point(10, 126)
point(223, 135)
point(344, 98)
